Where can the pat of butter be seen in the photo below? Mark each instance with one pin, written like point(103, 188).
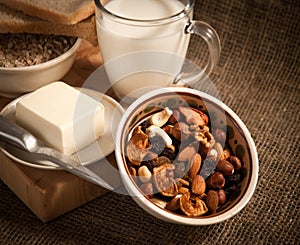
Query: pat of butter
point(62, 117)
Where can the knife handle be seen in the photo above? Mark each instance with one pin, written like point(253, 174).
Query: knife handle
point(13, 134)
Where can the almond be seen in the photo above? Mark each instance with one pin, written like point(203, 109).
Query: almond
point(195, 164)
point(198, 185)
point(212, 200)
point(186, 153)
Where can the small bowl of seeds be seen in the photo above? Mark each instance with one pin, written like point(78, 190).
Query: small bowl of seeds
point(30, 61)
point(186, 157)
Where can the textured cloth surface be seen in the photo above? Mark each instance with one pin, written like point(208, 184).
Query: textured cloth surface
point(258, 77)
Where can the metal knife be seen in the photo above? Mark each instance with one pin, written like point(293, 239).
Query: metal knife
point(13, 134)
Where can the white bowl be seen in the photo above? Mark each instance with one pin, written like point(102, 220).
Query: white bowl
point(238, 137)
point(19, 80)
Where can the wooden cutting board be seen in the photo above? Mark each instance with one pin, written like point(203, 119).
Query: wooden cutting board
point(51, 193)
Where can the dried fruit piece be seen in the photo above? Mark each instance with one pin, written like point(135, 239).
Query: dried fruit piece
point(183, 190)
point(198, 185)
point(139, 138)
point(162, 160)
point(135, 155)
point(192, 207)
point(164, 181)
point(182, 182)
point(174, 204)
point(194, 116)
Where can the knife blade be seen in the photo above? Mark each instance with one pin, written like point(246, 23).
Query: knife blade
point(13, 134)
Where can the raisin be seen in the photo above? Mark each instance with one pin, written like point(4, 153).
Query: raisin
point(158, 144)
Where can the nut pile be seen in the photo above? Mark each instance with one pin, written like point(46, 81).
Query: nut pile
point(179, 162)
point(19, 50)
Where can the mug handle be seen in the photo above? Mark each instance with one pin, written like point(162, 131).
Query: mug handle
point(212, 39)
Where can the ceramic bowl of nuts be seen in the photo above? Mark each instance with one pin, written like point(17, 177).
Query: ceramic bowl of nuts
point(186, 157)
point(30, 61)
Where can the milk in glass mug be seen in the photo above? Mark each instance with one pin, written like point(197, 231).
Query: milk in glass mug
point(144, 42)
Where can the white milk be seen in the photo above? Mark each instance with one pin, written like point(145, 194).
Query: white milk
point(153, 53)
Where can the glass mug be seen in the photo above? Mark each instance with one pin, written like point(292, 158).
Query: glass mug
point(144, 42)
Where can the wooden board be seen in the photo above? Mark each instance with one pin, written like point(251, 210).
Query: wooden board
point(51, 193)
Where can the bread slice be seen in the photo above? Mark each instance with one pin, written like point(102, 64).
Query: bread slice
point(57, 11)
point(13, 21)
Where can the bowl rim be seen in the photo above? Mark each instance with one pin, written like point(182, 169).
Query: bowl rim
point(145, 203)
point(46, 64)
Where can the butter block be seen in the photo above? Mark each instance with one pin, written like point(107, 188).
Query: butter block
point(61, 116)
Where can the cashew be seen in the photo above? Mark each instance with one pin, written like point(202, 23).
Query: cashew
point(162, 204)
point(160, 118)
point(144, 174)
point(155, 130)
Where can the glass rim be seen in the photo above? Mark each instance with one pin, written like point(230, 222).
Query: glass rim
point(159, 21)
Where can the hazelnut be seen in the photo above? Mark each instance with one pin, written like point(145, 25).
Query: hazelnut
point(216, 181)
point(236, 162)
point(225, 167)
point(198, 185)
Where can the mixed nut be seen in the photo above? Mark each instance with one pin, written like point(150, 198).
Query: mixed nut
point(181, 163)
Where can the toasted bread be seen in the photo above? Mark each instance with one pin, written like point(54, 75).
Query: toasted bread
point(57, 11)
point(14, 21)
